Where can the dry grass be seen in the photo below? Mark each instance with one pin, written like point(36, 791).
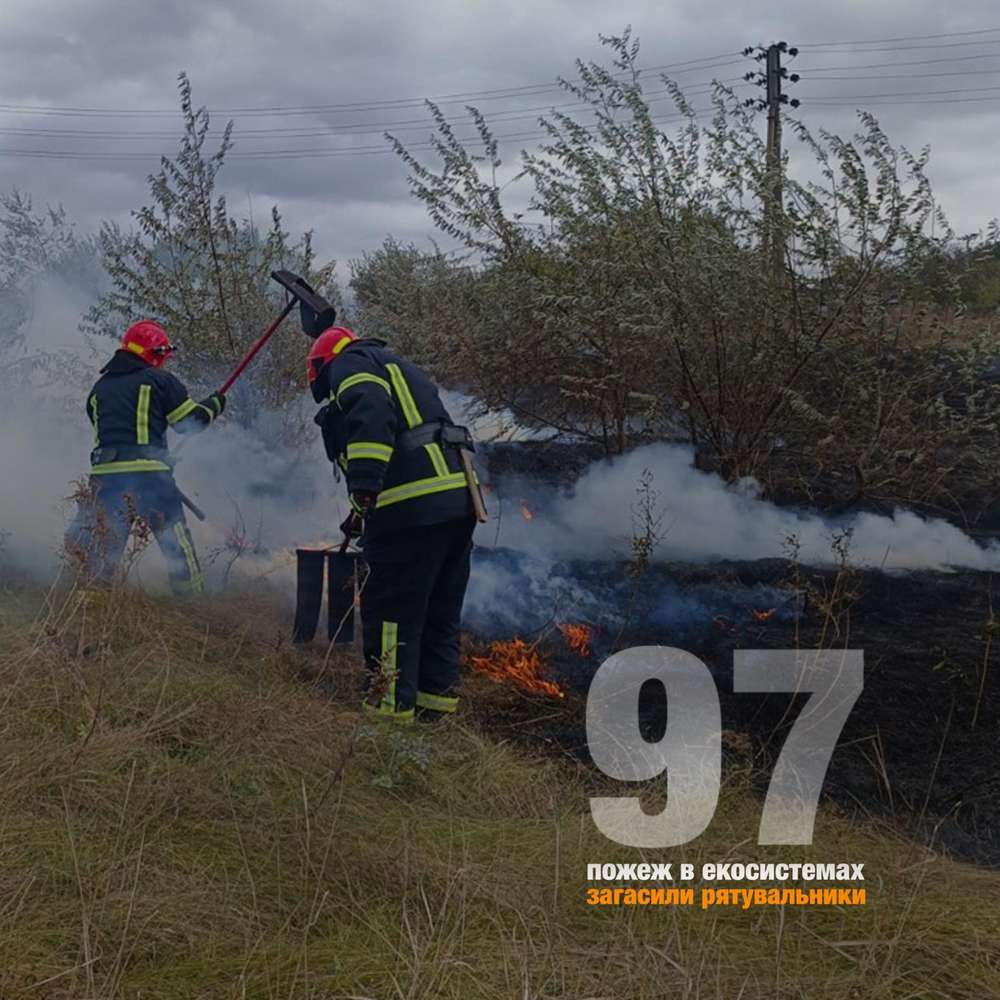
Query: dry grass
point(184, 818)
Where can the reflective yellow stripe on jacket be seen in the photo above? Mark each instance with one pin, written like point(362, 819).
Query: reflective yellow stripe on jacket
point(142, 415)
point(403, 394)
point(411, 414)
point(135, 465)
point(353, 380)
point(369, 449)
point(421, 488)
point(180, 412)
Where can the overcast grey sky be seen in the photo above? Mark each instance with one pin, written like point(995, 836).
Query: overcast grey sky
point(124, 55)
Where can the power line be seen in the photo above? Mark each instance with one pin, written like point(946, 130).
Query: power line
point(907, 76)
point(688, 66)
point(905, 38)
point(891, 65)
point(936, 45)
point(344, 129)
point(316, 153)
point(852, 103)
point(919, 93)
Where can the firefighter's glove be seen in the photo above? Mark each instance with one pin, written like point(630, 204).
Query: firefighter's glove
point(216, 403)
point(362, 503)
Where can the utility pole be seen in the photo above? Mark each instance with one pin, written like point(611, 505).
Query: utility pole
point(771, 79)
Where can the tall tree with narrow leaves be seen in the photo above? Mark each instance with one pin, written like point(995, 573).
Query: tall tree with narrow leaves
point(203, 273)
point(634, 299)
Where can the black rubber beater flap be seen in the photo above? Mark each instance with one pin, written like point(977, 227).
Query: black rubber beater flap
point(315, 312)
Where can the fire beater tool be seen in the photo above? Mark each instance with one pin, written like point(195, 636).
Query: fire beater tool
point(342, 573)
point(341, 569)
point(313, 308)
point(190, 504)
point(315, 313)
point(228, 384)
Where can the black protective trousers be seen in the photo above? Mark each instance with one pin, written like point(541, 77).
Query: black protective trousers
point(104, 521)
point(411, 612)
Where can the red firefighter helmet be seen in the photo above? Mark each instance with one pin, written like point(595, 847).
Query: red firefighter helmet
point(326, 347)
point(149, 340)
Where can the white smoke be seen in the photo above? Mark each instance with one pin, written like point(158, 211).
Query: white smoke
point(261, 500)
point(45, 437)
point(279, 497)
point(704, 520)
point(485, 424)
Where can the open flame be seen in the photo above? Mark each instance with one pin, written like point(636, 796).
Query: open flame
point(526, 513)
point(515, 661)
point(763, 615)
point(578, 638)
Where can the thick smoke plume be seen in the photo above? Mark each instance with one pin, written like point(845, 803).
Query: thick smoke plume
point(553, 556)
point(45, 437)
point(263, 499)
point(704, 520)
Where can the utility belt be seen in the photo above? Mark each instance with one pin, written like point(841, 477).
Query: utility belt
point(131, 453)
point(438, 432)
point(448, 435)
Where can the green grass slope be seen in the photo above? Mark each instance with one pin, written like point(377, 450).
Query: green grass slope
point(184, 816)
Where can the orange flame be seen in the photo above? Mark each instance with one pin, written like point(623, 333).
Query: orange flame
point(578, 638)
point(518, 662)
point(526, 513)
point(763, 616)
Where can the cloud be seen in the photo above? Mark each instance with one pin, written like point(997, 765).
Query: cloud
point(110, 53)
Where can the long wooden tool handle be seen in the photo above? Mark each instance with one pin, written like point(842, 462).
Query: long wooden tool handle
point(251, 354)
point(191, 506)
point(474, 491)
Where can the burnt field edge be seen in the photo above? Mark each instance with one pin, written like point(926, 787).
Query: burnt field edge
point(918, 749)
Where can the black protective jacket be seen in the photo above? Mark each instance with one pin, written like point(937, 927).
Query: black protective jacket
point(373, 398)
point(130, 407)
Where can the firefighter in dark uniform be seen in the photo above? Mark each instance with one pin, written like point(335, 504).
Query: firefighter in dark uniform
point(130, 407)
point(386, 428)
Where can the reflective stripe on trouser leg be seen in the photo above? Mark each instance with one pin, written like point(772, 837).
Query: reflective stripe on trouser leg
point(404, 715)
point(387, 662)
point(400, 577)
point(437, 702)
point(190, 559)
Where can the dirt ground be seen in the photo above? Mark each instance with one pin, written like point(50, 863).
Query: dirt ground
point(920, 746)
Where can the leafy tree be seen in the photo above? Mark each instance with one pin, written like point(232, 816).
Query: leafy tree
point(204, 274)
point(636, 298)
